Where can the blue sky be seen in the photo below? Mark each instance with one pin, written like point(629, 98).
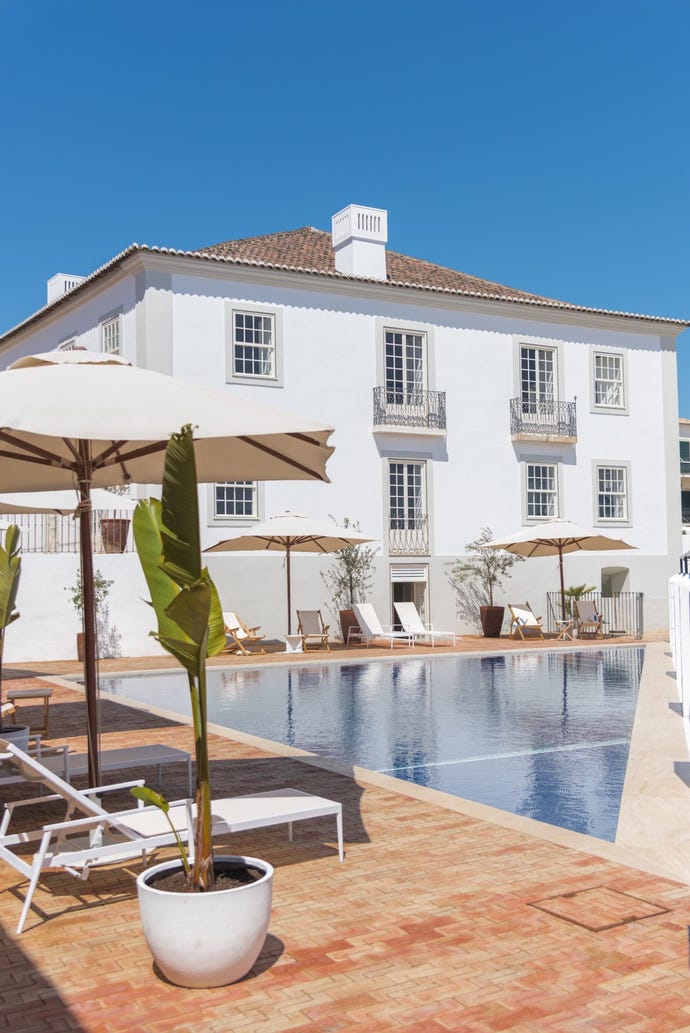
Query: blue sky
point(539, 144)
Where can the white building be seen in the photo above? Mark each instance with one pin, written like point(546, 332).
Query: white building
point(458, 404)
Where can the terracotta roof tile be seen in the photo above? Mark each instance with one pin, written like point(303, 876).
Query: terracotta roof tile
point(311, 250)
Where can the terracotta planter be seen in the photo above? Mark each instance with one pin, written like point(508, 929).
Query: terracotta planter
point(114, 534)
point(492, 620)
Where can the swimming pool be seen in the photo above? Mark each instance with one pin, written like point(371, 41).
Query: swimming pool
point(542, 734)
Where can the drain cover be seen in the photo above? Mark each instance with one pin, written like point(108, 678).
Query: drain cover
point(599, 908)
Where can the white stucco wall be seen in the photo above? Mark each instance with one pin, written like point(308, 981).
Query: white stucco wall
point(175, 318)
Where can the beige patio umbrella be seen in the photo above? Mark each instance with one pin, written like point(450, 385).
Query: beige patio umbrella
point(61, 502)
point(288, 533)
point(79, 419)
point(555, 538)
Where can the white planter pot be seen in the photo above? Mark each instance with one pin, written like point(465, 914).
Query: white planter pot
point(206, 939)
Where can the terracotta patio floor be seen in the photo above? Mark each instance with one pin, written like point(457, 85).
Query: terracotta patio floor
point(437, 920)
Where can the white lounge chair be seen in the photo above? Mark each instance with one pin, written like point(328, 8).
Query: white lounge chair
point(523, 621)
point(59, 761)
point(589, 622)
point(413, 625)
point(372, 629)
point(89, 835)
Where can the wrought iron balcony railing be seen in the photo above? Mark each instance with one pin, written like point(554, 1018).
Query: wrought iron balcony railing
point(402, 408)
point(408, 536)
point(553, 419)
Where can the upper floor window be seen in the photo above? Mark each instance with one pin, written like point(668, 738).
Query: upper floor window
point(253, 349)
point(110, 336)
point(541, 491)
point(608, 380)
point(537, 376)
point(408, 532)
point(235, 499)
point(67, 346)
point(685, 455)
point(405, 367)
point(612, 493)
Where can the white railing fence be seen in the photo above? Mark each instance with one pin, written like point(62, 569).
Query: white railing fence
point(679, 631)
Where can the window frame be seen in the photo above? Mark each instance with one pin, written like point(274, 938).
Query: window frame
point(236, 520)
point(602, 408)
point(105, 321)
point(556, 463)
point(232, 309)
point(611, 464)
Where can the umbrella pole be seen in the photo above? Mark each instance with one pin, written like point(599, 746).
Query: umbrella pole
point(89, 617)
point(289, 600)
point(560, 568)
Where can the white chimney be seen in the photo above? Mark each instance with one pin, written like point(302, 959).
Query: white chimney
point(62, 283)
point(359, 241)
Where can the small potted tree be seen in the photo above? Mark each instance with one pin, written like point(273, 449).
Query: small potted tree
point(349, 579)
point(205, 921)
point(10, 572)
point(475, 580)
point(108, 637)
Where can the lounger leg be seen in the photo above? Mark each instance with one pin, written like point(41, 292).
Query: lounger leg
point(290, 831)
point(339, 826)
point(37, 868)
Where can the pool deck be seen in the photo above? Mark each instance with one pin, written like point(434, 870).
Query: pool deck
point(446, 915)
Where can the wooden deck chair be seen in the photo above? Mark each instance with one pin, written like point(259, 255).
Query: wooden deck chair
point(311, 627)
point(373, 630)
point(523, 621)
point(408, 616)
point(239, 637)
point(589, 622)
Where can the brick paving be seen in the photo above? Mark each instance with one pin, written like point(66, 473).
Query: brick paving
point(434, 923)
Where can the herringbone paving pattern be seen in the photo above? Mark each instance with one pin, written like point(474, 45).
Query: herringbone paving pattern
point(428, 926)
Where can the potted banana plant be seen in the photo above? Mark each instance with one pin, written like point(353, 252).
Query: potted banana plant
point(201, 934)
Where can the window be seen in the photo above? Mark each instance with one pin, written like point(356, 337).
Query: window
point(608, 380)
point(110, 336)
point(612, 500)
point(537, 377)
point(407, 508)
point(685, 456)
point(253, 345)
point(405, 367)
point(235, 499)
point(67, 346)
point(542, 491)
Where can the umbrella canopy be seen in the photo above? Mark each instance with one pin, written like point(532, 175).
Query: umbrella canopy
point(554, 539)
point(288, 533)
point(79, 419)
point(62, 502)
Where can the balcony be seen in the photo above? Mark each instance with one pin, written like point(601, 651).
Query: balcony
point(543, 421)
point(421, 410)
point(408, 536)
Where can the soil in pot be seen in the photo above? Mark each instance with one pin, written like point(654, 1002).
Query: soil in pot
point(228, 877)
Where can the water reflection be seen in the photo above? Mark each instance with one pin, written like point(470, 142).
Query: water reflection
point(542, 734)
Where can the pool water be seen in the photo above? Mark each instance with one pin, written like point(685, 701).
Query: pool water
point(540, 734)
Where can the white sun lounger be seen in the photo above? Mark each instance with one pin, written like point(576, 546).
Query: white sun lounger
point(72, 765)
point(89, 835)
point(412, 624)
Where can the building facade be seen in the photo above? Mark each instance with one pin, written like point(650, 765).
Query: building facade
point(457, 403)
